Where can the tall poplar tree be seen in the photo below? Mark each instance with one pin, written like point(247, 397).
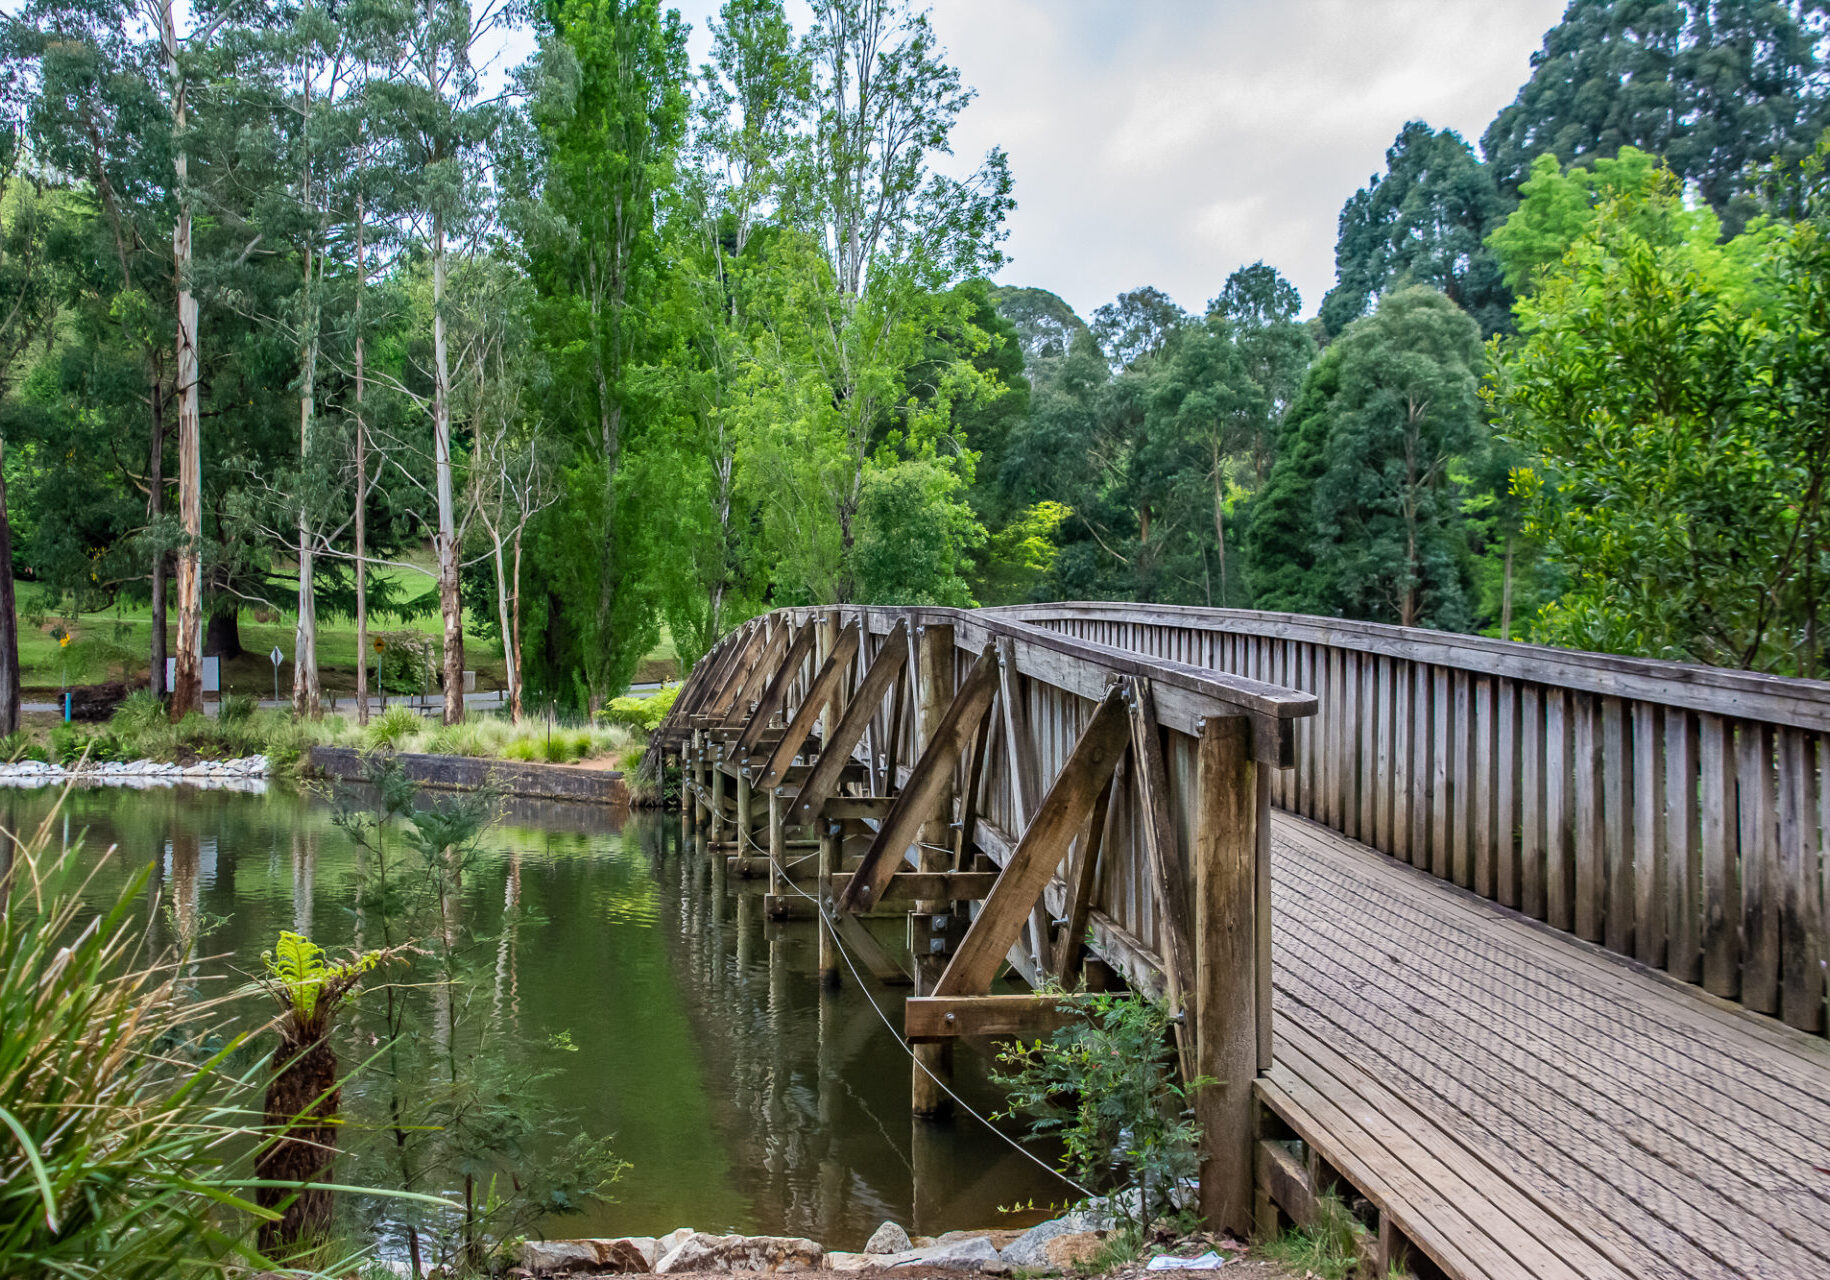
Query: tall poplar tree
point(610, 104)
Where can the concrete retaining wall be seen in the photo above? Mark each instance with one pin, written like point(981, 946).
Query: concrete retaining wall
point(464, 773)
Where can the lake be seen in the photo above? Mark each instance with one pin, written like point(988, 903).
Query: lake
point(658, 1003)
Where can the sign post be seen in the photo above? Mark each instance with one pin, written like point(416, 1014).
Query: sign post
point(278, 658)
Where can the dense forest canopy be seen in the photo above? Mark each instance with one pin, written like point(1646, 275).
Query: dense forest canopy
point(638, 347)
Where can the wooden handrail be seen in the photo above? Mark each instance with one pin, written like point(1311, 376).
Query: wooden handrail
point(1804, 704)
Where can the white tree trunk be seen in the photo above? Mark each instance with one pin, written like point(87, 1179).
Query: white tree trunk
point(187, 684)
point(445, 544)
point(362, 495)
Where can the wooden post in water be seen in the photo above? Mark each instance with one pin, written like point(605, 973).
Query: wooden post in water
point(778, 846)
point(696, 753)
point(745, 822)
point(1227, 967)
point(717, 832)
point(933, 1065)
point(829, 863)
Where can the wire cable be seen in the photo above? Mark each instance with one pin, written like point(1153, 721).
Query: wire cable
point(827, 922)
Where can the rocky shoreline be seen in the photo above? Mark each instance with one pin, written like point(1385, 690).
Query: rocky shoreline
point(1052, 1247)
point(246, 774)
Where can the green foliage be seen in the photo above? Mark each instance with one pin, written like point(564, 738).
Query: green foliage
point(1718, 88)
point(642, 712)
point(236, 708)
point(1106, 1084)
point(913, 536)
point(1425, 221)
point(121, 1157)
point(1329, 1248)
point(1361, 515)
point(298, 966)
point(1668, 397)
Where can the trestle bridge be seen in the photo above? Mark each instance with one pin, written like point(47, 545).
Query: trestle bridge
point(1519, 950)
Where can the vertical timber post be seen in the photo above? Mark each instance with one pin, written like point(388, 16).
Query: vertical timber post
point(746, 823)
point(933, 1064)
point(697, 755)
point(778, 846)
point(717, 832)
point(1226, 967)
point(829, 863)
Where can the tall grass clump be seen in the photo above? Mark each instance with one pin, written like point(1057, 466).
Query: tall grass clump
point(119, 1121)
point(393, 728)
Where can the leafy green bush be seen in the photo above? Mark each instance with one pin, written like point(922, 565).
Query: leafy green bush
point(122, 1158)
point(1107, 1087)
point(644, 713)
point(17, 745)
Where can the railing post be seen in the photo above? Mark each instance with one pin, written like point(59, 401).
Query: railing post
point(1227, 966)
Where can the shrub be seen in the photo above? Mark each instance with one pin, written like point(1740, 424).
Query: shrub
point(1105, 1085)
point(68, 744)
point(644, 713)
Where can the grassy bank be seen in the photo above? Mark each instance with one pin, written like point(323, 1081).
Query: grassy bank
point(140, 730)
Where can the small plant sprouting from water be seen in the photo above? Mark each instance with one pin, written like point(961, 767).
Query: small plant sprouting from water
point(304, 1093)
point(448, 1108)
point(1107, 1086)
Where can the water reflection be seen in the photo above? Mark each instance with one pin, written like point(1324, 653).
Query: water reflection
point(664, 1006)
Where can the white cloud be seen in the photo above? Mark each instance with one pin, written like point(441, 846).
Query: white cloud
point(1168, 142)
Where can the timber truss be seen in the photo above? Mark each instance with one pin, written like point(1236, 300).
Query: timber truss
point(1075, 815)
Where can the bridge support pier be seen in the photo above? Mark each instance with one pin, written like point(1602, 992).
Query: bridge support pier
point(745, 823)
point(829, 863)
point(932, 1069)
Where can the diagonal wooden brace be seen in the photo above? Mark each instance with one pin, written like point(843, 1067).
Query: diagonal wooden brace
point(801, 727)
point(736, 704)
point(774, 696)
point(1063, 812)
point(1162, 841)
point(929, 778)
point(836, 748)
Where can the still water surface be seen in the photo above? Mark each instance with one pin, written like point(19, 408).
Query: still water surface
point(743, 1097)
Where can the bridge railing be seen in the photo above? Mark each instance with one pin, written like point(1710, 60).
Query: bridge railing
point(1674, 813)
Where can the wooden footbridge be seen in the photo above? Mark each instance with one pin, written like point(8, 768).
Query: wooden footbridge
point(1521, 951)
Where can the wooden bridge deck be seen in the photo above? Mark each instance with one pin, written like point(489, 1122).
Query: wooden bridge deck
point(1521, 1104)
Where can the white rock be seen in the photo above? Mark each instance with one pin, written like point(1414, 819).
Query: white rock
point(666, 1244)
point(1033, 1249)
point(852, 1261)
point(970, 1254)
point(889, 1238)
point(702, 1252)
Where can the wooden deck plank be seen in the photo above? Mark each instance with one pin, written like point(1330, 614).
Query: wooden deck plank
point(1671, 1133)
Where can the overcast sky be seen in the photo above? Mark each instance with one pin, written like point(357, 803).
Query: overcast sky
point(1166, 142)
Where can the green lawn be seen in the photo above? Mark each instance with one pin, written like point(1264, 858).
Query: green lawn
point(113, 645)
